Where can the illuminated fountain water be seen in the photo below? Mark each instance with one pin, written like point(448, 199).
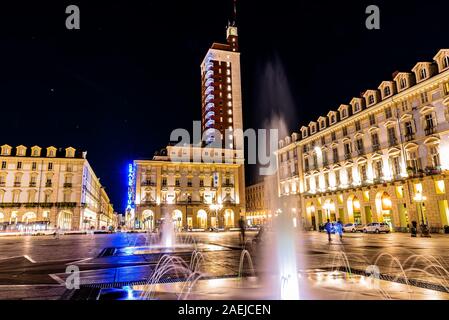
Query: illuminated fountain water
point(168, 238)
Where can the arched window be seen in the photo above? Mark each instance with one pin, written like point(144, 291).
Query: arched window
point(423, 74)
point(332, 119)
point(387, 91)
point(446, 62)
point(356, 106)
point(403, 83)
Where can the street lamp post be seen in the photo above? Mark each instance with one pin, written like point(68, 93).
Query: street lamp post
point(327, 207)
point(419, 199)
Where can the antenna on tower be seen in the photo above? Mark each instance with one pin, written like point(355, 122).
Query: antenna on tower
point(235, 13)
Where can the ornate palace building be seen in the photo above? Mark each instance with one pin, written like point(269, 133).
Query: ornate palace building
point(198, 188)
point(383, 157)
point(42, 189)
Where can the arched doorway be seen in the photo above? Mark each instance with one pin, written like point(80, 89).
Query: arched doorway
point(354, 209)
point(329, 211)
point(65, 220)
point(29, 217)
point(148, 220)
point(229, 218)
point(28, 220)
point(201, 219)
point(177, 219)
point(384, 207)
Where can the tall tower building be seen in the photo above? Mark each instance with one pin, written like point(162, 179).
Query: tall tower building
point(221, 91)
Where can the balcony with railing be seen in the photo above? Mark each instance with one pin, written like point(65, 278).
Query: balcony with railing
point(429, 130)
point(392, 141)
point(148, 183)
point(209, 82)
point(209, 89)
point(210, 123)
point(209, 65)
point(210, 114)
point(348, 156)
point(376, 147)
point(360, 151)
point(32, 184)
point(48, 184)
point(409, 136)
point(17, 184)
point(68, 185)
point(209, 73)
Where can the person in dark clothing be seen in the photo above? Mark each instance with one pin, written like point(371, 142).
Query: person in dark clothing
point(328, 228)
point(242, 230)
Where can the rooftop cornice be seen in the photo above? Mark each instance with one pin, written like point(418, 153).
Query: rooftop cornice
point(417, 88)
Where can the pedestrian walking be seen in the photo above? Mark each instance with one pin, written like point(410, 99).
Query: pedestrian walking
point(339, 229)
point(242, 230)
point(328, 228)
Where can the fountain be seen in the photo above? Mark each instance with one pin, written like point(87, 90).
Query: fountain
point(168, 235)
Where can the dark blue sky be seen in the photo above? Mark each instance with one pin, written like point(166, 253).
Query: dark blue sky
point(118, 86)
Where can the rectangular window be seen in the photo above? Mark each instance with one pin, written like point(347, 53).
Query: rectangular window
point(357, 126)
point(378, 169)
point(388, 113)
point(19, 165)
point(359, 145)
point(345, 131)
point(372, 119)
point(164, 182)
point(375, 141)
point(335, 155)
point(404, 106)
point(334, 136)
point(323, 141)
point(50, 166)
point(446, 88)
point(392, 136)
point(177, 182)
point(34, 166)
point(3, 164)
point(424, 97)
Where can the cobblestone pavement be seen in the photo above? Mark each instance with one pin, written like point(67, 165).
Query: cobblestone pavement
point(34, 267)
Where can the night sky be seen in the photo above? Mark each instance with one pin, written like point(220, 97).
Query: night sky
point(118, 86)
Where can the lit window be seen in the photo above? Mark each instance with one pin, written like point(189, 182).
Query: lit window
point(446, 62)
point(422, 74)
point(440, 187)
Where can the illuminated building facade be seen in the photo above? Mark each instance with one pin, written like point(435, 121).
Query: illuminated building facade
point(199, 188)
point(221, 93)
point(49, 188)
point(384, 157)
point(259, 201)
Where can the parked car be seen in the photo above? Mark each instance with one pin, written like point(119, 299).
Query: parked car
point(360, 227)
point(377, 227)
point(350, 227)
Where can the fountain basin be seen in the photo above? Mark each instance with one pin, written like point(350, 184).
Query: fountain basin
point(321, 285)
